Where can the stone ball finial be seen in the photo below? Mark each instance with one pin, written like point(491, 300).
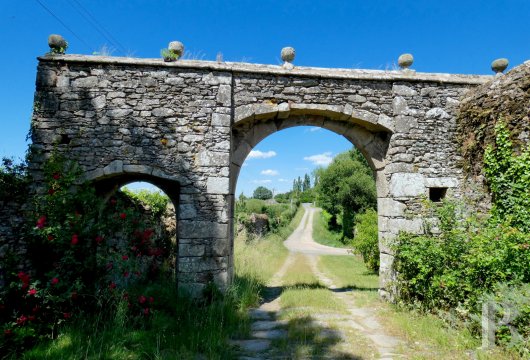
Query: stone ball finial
point(177, 48)
point(499, 65)
point(405, 61)
point(57, 44)
point(288, 54)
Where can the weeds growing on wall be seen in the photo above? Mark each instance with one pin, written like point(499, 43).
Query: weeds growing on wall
point(474, 259)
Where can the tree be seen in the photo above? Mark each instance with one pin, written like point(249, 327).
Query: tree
point(346, 187)
point(306, 185)
point(262, 193)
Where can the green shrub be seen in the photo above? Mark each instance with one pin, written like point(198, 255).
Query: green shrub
point(476, 260)
point(155, 200)
point(365, 240)
point(14, 180)
point(82, 255)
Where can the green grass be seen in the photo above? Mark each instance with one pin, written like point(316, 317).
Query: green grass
point(179, 328)
point(303, 290)
point(350, 272)
point(426, 335)
point(321, 232)
point(260, 258)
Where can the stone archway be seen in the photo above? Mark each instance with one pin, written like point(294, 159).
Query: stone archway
point(366, 131)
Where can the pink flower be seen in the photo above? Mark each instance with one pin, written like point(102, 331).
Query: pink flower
point(99, 239)
point(41, 222)
point(125, 257)
point(22, 320)
point(112, 286)
point(142, 299)
point(8, 332)
point(75, 239)
point(23, 277)
point(146, 311)
point(56, 176)
point(126, 274)
point(54, 281)
point(32, 291)
point(51, 191)
point(50, 237)
point(151, 299)
point(67, 315)
point(123, 216)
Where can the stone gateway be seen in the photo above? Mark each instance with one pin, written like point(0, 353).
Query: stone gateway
point(187, 127)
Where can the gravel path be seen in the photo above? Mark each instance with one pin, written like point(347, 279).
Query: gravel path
point(265, 327)
point(301, 240)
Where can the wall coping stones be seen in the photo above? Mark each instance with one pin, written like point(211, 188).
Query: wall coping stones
point(358, 74)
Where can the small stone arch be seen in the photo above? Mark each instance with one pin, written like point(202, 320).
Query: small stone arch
point(111, 177)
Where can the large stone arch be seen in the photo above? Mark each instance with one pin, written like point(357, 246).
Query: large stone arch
point(368, 132)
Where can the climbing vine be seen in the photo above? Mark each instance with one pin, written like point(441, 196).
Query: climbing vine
point(508, 177)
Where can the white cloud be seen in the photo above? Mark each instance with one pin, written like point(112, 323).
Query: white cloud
point(270, 172)
point(266, 181)
point(313, 129)
point(320, 159)
point(256, 154)
point(283, 180)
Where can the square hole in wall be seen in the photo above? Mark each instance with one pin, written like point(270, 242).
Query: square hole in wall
point(437, 194)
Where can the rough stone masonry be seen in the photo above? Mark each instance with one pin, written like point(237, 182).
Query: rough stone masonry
point(187, 127)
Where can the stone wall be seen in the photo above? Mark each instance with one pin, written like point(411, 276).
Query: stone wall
point(506, 98)
point(12, 245)
point(188, 126)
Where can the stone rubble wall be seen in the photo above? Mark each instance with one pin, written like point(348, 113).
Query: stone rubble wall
point(192, 124)
point(506, 98)
point(133, 122)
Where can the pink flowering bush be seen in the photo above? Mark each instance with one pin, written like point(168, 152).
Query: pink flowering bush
point(85, 255)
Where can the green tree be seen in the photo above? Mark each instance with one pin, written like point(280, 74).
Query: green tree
point(306, 185)
point(346, 187)
point(262, 193)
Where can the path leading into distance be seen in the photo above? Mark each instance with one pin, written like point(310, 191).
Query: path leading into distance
point(301, 240)
point(266, 328)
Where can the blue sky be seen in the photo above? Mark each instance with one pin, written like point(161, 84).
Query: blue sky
point(444, 36)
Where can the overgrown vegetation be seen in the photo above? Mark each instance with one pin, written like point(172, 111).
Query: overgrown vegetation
point(277, 215)
point(14, 180)
point(155, 201)
point(475, 260)
point(366, 238)
point(98, 279)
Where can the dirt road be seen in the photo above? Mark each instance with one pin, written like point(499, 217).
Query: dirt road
point(309, 332)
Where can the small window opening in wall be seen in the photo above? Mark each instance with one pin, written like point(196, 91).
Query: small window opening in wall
point(65, 139)
point(437, 194)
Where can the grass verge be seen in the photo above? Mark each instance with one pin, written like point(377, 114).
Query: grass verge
point(321, 232)
point(426, 336)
